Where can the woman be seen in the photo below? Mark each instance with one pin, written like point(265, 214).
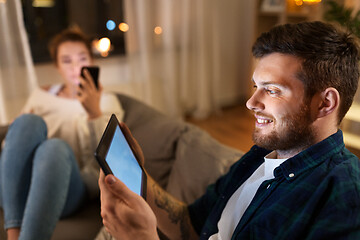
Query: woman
point(47, 167)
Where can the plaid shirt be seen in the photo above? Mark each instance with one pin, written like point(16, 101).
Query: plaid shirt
point(314, 195)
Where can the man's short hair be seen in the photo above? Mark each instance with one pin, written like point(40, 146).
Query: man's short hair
point(330, 57)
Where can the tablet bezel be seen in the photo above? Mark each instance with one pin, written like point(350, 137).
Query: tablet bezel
point(103, 148)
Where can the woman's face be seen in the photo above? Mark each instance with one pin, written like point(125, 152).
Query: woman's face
point(71, 57)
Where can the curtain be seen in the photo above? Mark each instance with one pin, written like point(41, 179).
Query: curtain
point(351, 123)
point(199, 56)
point(17, 74)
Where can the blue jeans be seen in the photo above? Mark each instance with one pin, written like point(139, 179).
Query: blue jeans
point(39, 179)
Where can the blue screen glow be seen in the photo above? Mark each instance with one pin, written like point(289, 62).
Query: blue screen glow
point(123, 163)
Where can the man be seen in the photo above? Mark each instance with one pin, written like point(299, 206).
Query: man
point(298, 181)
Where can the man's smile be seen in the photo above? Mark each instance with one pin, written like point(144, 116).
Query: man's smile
point(262, 121)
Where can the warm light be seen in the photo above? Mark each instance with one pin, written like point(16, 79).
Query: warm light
point(298, 2)
point(104, 54)
point(2, 1)
point(158, 30)
point(103, 46)
point(311, 1)
point(43, 3)
point(123, 27)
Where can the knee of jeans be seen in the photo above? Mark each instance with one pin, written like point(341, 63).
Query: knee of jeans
point(55, 152)
point(30, 122)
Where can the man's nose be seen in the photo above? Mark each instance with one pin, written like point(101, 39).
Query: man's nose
point(254, 103)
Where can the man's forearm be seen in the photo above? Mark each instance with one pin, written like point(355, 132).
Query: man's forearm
point(172, 215)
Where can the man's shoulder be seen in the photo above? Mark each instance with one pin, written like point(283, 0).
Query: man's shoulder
point(345, 161)
point(344, 177)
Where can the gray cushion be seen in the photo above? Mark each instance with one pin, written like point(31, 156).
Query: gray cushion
point(157, 135)
point(200, 161)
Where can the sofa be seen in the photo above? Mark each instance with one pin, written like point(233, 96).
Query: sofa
point(181, 157)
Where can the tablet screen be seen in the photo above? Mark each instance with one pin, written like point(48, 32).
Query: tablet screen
point(123, 163)
point(115, 156)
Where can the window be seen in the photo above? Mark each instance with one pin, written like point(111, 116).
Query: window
point(45, 18)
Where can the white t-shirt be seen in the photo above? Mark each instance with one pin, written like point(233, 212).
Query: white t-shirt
point(242, 197)
point(67, 119)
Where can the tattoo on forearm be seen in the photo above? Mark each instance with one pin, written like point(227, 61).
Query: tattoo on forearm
point(178, 214)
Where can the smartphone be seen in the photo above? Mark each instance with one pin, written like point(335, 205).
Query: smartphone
point(94, 72)
point(115, 156)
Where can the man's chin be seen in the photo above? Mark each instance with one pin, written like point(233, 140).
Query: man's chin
point(264, 141)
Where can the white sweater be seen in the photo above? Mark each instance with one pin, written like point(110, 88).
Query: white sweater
point(67, 119)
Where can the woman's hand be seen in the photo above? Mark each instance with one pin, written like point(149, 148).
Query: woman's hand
point(89, 96)
point(125, 214)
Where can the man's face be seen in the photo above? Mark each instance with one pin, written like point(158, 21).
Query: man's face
point(283, 118)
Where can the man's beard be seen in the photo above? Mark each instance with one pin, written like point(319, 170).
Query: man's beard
point(295, 132)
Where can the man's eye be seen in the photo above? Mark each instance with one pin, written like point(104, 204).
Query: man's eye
point(272, 91)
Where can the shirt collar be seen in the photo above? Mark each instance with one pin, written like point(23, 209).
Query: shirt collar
point(272, 162)
point(311, 157)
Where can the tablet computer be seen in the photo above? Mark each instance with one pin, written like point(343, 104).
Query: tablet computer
point(115, 156)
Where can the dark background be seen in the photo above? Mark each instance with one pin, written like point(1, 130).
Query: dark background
point(42, 23)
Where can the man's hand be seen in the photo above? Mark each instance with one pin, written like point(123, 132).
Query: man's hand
point(125, 214)
point(133, 143)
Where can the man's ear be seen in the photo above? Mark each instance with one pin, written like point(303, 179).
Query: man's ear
point(329, 102)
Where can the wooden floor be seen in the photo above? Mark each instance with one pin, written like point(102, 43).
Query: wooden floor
point(232, 127)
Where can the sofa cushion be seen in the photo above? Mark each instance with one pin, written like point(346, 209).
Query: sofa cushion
point(200, 161)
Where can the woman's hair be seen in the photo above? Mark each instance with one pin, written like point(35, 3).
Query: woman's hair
point(68, 35)
point(330, 57)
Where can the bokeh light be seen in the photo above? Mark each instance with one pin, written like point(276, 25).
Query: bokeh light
point(110, 25)
point(103, 46)
point(158, 30)
point(123, 27)
point(311, 1)
point(40, 3)
point(298, 2)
